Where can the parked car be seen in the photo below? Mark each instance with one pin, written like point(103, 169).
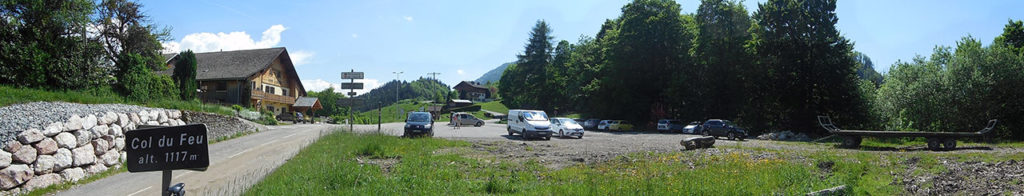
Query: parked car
point(603, 125)
point(667, 125)
point(468, 119)
point(620, 125)
point(287, 116)
point(694, 127)
point(529, 124)
point(590, 124)
point(419, 123)
point(718, 128)
point(566, 127)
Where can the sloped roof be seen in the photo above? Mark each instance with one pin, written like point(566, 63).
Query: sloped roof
point(471, 84)
point(461, 101)
point(305, 102)
point(168, 57)
point(231, 65)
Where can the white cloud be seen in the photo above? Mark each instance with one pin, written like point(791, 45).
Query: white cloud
point(301, 57)
point(320, 84)
point(355, 35)
point(238, 40)
point(408, 18)
point(460, 72)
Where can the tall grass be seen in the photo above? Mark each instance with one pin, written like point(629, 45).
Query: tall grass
point(342, 164)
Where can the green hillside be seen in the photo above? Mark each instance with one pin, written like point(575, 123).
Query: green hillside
point(494, 106)
point(420, 89)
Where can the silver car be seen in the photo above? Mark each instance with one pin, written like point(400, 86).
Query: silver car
point(468, 119)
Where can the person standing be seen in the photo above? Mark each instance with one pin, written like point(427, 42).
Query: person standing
point(457, 121)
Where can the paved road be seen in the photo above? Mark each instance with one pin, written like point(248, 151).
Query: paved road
point(234, 165)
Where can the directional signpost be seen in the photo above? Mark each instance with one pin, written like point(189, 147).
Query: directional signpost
point(352, 86)
point(352, 76)
point(166, 149)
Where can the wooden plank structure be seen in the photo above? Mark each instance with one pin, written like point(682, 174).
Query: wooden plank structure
point(936, 140)
point(311, 104)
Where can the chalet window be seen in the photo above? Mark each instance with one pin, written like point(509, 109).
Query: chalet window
point(222, 86)
point(269, 89)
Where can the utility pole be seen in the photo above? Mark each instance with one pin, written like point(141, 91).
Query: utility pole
point(398, 84)
point(434, 76)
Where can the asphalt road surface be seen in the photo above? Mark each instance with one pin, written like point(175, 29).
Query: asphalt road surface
point(235, 165)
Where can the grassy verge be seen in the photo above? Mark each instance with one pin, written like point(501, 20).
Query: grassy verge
point(494, 106)
point(347, 164)
point(105, 95)
point(50, 190)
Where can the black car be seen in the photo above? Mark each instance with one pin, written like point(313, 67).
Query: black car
point(720, 128)
point(285, 116)
point(590, 124)
point(419, 123)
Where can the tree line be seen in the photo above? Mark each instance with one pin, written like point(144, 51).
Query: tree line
point(775, 69)
point(83, 44)
point(422, 89)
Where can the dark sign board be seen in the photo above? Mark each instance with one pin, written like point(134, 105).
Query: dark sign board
point(167, 148)
point(347, 85)
point(351, 75)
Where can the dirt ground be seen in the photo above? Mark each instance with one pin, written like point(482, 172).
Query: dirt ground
point(971, 177)
point(961, 176)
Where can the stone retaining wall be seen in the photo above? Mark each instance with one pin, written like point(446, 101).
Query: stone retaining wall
point(71, 150)
point(221, 126)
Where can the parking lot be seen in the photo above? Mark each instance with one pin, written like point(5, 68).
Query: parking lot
point(596, 146)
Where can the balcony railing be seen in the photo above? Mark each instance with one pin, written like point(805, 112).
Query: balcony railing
point(272, 97)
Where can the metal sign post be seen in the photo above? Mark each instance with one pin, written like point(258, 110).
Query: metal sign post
point(352, 86)
point(166, 149)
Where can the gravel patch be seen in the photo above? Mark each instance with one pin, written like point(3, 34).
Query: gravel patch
point(19, 117)
point(968, 178)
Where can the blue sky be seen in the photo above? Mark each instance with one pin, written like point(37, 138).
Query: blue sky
point(463, 39)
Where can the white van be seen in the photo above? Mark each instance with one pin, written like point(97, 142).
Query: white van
point(529, 124)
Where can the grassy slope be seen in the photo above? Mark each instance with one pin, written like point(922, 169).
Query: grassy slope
point(12, 95)
point(388, 112)
point(494, 106)
point(332, 166)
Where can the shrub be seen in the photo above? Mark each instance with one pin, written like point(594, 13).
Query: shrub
point(248, 115)
point(267, 118)
point(237, 108)
point(185, 75)
point(337, 119)
point(139, 84)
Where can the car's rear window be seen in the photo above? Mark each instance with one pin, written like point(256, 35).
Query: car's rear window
point(419, 117)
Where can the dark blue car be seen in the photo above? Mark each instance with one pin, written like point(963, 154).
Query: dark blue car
point(419, 123)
